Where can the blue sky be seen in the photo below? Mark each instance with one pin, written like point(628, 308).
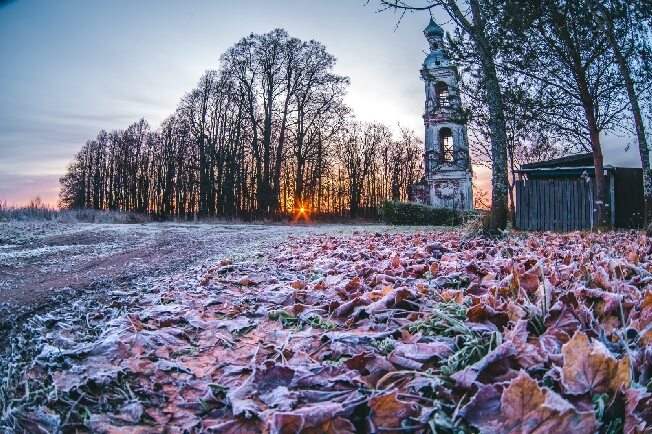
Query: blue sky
point(69, 68)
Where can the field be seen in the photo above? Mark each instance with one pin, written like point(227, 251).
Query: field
point(43, 263)
point(270, 328)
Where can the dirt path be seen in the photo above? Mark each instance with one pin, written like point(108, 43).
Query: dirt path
point(45, 264)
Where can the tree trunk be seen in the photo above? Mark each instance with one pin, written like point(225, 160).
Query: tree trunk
point(644, 151)
point(512, 203)
point(298, 184)
point(499, 180)
point(601, 219)
point(497, 127)
point(354, 203)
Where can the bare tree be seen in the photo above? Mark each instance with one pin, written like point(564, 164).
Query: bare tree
point(621, 24)
point(357, 149)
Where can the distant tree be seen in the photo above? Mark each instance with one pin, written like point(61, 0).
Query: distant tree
point(357, 149)
point(258, 137)
point(71, 194)
point(317, 111)
point(406, 164)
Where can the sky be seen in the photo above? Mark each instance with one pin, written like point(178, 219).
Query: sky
point(70, 68)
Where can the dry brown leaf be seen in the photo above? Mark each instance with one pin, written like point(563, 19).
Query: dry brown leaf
point(601, 279)
point(526, 408)
point(234, 426)
point(529, 355)
point(388, 411)
point(337, 425)
point(414, 356)
point(304, 418)
point(244, 281)
point(529, 282)
point(496, 366)
point(638, 414)
point(590, 368)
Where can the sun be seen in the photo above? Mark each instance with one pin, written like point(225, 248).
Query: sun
point(301, 213)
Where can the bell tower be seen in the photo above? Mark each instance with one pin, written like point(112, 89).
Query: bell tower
point(447, 160)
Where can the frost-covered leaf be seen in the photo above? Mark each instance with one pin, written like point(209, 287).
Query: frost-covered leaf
point(589, 367)
point(388, 411)
point(524, 407)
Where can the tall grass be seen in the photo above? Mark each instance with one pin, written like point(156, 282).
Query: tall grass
point(37, 210)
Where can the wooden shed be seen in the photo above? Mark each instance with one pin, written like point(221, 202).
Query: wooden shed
point(559, 195)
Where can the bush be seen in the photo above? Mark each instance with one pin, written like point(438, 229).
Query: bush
point(409, 213)
point(86, 215)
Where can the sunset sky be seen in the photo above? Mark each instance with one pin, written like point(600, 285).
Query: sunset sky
point(71, 68)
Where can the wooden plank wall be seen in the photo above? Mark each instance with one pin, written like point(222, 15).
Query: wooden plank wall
point(629, 198)
point(553, 205)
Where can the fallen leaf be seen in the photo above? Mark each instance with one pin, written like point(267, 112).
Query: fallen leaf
point(496, 366)
point(528, 355)
point(526, 408)
point(388, 411)
point(638, 414)
point(529, 282)
point(590, 368)
point(414, 356)
point(312, 416)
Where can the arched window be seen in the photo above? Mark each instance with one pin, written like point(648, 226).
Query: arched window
point(441, 89)
point(446, 144)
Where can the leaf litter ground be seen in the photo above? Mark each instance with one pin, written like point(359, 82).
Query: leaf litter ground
point(372, 332)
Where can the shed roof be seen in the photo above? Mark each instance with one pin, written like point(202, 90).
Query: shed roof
point(542, 172)
point(569, 161)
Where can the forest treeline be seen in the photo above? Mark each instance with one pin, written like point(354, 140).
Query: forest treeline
point(264, 135)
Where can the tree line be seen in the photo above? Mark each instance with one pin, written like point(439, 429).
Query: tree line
point(267, 134)
point(542, 70)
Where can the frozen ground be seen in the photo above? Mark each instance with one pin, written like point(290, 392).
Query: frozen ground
point(325, 329)
point(45, 264)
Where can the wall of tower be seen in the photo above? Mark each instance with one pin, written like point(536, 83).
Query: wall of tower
point(455, 192)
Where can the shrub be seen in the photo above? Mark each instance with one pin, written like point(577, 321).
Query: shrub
point(409, 213)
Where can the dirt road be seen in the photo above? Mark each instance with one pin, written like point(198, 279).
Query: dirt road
point(46, 264)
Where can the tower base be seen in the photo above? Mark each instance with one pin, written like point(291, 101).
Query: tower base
point(452, 191)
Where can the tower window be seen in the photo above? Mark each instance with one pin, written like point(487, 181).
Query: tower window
point(446, 144)
point(441, 89)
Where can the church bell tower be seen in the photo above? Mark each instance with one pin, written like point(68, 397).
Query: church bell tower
point(447, 160)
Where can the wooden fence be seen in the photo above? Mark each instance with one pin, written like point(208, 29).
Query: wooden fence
point(553, 205)
point(629, 198)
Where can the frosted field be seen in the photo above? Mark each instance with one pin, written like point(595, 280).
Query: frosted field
point(43, 264)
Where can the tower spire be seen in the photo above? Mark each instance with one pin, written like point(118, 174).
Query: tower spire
point(433, 30)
